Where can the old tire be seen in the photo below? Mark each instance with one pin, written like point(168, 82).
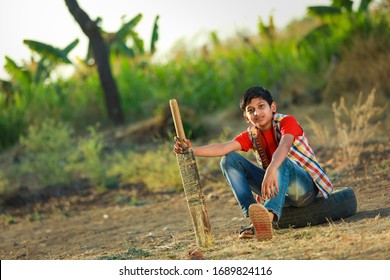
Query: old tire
point(340, 204)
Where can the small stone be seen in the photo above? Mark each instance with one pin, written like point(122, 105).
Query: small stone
point(195, 255)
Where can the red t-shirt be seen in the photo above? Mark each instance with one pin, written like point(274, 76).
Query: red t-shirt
point(288, 125)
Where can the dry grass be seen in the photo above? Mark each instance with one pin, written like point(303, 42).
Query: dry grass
point(366, 239)
point(354, 126)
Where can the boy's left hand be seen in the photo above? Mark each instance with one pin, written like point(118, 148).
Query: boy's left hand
point(269, 187)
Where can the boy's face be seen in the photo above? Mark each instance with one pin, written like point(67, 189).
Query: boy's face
point(259, 113)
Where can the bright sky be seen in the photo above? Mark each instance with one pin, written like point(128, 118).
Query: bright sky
point(49, 21)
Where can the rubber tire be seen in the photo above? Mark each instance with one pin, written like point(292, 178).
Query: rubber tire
point(340, 204)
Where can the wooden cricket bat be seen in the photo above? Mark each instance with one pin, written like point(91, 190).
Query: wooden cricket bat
point(191, 184)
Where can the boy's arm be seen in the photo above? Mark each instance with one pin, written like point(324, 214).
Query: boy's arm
point(212, 150)
point(270, 182)
point(217, 150)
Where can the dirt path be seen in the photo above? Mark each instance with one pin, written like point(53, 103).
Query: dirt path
point(101, 230)
point(96, 226)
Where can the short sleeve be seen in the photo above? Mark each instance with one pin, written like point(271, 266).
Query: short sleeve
point(289, 125)
point(245, 141)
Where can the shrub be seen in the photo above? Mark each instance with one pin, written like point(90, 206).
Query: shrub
point(86, 160)
point(355, 126)
point(45, 149)
point(156, 168)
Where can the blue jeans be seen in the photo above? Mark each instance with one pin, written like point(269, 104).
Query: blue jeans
point(296, 187)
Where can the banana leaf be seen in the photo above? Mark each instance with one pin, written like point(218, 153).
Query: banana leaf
point(48, 51)
point(18, 73)
point(312, 37)
point(127, 28)
point(138, 42)
point(154, 36)
point(322, 11)
point(363, 7)
point(71, 46)
point(346, 4)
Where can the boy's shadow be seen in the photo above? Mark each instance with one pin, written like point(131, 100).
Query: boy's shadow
point(360, 215)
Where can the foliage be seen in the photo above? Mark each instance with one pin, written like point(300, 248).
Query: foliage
point(355, 126)
point(338, 23)
point(86, 160)
point(3, 183)
point(51, 156)
point(365, 64)
point(346, 52)
point(136, 168)
point(267, 31)
point(45, 150)
point(126, 41)
point(155, 37)
point(50, 58)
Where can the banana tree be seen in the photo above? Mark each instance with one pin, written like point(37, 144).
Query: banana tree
point(101, 57)
point(118, 42)
point(339, 17)
point(20, 79)
point(267, 31)
point(330, 15)
point(50, 57)
point(20, 75)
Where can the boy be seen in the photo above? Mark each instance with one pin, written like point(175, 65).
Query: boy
point(288, 173)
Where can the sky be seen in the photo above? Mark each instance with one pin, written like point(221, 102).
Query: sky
point(49, 21)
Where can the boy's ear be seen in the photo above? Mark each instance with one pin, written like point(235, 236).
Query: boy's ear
point(245, 117)
point(273, 107)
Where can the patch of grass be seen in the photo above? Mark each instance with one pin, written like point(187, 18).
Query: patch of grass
point(130, 254)
point(36, 217)
point(9, 219)
point(156, 168)
point(43, 158)
point(355, 126)
point(86, 160)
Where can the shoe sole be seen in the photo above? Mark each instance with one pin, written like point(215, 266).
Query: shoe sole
point(261, 222)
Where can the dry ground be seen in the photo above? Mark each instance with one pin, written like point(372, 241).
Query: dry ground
point(157, 226)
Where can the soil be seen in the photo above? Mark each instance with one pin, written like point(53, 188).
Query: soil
point(85, 224)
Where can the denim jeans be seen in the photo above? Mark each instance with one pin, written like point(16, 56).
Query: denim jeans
point(296, 187)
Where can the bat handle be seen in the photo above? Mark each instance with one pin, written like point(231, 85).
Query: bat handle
point(177, 122)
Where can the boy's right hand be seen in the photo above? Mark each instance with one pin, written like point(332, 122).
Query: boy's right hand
point(178, 149)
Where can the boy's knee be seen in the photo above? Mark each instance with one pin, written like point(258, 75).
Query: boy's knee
point(228, 159)
point(286, 165)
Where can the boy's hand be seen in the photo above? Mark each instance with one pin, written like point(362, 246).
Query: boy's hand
point(178, 149)
point(270, 187)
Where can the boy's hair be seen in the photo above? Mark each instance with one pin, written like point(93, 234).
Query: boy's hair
point(255, 92)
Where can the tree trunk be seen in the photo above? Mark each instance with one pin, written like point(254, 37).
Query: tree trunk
point(100, 53)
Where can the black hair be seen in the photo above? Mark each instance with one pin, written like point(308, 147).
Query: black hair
point(255, 92)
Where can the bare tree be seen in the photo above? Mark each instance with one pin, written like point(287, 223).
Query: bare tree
point(100, 53)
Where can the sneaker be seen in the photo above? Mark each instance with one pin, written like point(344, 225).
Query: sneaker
point(261, 222)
